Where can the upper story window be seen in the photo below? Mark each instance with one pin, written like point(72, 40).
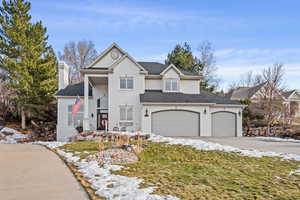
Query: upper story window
point(126, 83)
point(171, 85)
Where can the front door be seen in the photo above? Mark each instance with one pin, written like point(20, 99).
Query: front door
point(102, 120)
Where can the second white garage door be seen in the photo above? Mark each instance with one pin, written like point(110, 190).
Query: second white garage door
point(223, 124)
point(176, 123)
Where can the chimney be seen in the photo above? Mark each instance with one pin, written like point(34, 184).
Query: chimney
point(63, 75)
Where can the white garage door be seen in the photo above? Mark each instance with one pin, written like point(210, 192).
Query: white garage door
point(176, 123)
point(223, 124)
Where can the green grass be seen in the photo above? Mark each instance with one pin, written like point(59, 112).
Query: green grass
point(188, 173)
point(84, 148)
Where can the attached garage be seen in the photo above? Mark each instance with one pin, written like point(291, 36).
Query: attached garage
point(224, 124)
point(175, 123)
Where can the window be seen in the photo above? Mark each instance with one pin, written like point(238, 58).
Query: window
point(126, 113)
point(98, 103)
point(126, 82)
point(75, 120)
point(171, 84)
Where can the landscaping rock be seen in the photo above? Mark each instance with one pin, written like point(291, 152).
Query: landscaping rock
point(116, 156)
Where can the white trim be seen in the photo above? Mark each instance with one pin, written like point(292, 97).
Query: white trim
point(184, 77)
point(169, 67)
point(113, 45)
point(189, 104)
point(90, 97)
point(94, 71)
point(126, 77)
point(158, 103)
point(171, 79)
point(112, 66)
point(126, 107)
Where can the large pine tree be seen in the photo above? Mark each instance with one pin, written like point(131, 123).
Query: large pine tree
point(26, 57)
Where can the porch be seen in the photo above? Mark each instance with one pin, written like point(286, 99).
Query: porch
point(95, 112)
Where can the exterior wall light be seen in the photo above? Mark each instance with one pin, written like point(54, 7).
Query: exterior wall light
point(204, 111)
point(239, 113)
point(146, 113)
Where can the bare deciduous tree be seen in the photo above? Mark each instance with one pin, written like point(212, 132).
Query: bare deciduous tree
point(78, 55)
point(249, 79)
point(207, 64)
point(270, 101)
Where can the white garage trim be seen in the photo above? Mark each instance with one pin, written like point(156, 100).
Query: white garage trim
point(222, 126)
point(194, 122)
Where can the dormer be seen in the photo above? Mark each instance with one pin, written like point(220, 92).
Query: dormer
point(171, 79)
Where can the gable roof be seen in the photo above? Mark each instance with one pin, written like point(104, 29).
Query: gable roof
point(157, 96)
point(245, 92)
point(130, 58)
point(74, 90)
point(113, 45)
point(155, 68)
point(169, 67)
point(288, 94)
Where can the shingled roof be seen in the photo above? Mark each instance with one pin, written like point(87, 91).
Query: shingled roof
point(245, 92)
point(157, 96)
point(287, 94)
point(74, 90)
point(155, 68)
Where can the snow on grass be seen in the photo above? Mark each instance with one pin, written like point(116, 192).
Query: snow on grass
point(202, 145)
point(119, 187)
point(274, 139)
point(106, 184)
point(11, 139)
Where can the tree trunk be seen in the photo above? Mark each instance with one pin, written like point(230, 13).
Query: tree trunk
point(268, 129)
point(23, 118)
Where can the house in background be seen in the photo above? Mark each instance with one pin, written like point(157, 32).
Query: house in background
point(119, 93)
point(291, 99)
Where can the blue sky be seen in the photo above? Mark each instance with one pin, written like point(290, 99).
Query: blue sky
point(246, 35)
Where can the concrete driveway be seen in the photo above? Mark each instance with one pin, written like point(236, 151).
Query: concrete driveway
point(32, 172)
point(254, 143)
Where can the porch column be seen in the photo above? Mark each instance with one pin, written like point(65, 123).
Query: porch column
point(86, 123)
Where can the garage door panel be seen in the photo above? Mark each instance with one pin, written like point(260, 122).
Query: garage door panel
point(224, 124)
point(175, 123)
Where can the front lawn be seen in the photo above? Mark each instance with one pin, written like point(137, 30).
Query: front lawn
point(188, 173)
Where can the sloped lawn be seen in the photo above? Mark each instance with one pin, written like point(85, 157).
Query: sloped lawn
point(188, 173)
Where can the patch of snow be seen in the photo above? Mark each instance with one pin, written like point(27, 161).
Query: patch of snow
point(50, 145)
point(275, 139)
point(106, 184)
point(202, 145)
point(11, 139)
point(116, 187)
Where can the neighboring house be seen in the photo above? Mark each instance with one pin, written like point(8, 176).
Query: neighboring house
point(291, 99)
point(120, 93)
point(251, 93)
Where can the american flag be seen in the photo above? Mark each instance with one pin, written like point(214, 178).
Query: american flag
point(76, 106)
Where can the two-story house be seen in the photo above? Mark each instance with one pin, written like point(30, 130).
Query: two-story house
point(119, 93)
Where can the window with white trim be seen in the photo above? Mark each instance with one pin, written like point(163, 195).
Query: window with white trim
point(171, 84)
point(126, 113)
point(75, 120)
point(126, 82)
